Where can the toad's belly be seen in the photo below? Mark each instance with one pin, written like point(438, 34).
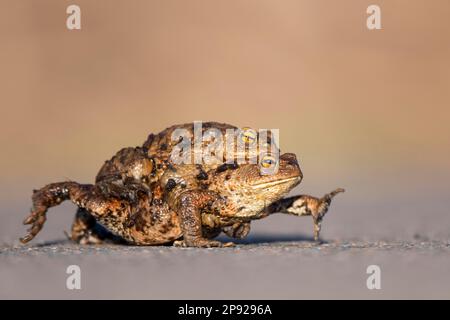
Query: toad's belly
point(154, 227)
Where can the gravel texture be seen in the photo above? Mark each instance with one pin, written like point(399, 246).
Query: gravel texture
point(66, 248)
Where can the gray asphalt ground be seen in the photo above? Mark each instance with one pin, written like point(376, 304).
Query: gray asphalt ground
point(258, 268)
point(277, 261)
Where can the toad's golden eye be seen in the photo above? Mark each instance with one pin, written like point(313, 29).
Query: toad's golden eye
point(267, 161)
point(248, 135)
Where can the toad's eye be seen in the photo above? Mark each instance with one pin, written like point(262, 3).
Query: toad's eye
point(248, 135)
point(267, 161)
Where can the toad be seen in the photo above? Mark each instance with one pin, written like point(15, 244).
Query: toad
point(176, 189)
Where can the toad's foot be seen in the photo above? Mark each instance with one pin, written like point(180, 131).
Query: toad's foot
point(50, 196)
point(87, 238)
point(238, 230)
point(203, 243)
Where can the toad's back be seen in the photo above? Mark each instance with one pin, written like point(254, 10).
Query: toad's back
point(162, 144)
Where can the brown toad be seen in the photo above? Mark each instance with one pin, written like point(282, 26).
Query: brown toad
point(177, 188)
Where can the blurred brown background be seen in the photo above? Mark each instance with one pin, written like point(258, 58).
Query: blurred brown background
point(365, 110)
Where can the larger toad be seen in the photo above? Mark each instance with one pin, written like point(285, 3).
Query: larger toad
point(187, 193)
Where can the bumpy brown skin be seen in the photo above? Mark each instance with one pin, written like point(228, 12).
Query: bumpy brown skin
point(143, 197)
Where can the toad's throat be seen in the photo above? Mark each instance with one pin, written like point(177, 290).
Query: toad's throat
point(274, 183)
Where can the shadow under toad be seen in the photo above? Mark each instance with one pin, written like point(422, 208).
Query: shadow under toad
point(51, 243)
point(271, 238)
point(251, 239)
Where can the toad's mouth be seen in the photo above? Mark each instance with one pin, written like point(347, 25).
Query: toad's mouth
point(274, 183)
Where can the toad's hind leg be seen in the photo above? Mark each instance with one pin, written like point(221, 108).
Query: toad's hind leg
point(83, 195)
point(86, 230)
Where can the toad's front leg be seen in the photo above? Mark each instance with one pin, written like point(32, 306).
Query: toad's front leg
point(305, 205)
point(189, 206)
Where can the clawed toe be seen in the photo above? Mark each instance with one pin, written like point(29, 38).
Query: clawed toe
point(179, 244)
point(26, 238)
point(37, 222)
point(228, 244)
point(29, 220)
point(33, 217)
